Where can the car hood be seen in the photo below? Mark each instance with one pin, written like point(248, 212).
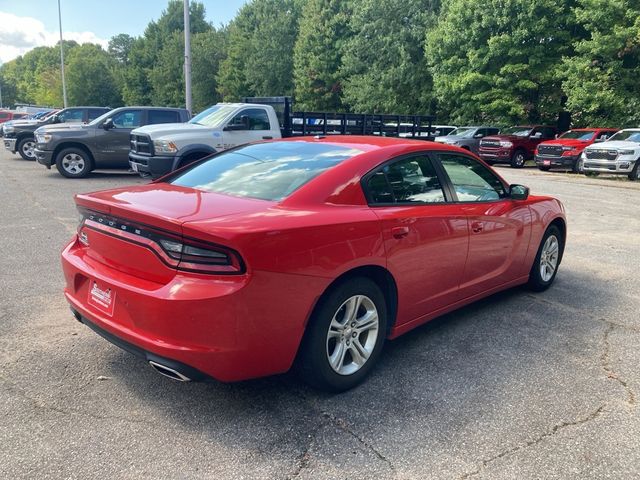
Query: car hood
point(61, 126)
point(504, 137)
point(567, 142)
point(449, 138)
point(619, 144)
point(157, 131)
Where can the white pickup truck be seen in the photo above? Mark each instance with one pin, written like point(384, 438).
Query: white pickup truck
point(159, 149)
point(619, 155)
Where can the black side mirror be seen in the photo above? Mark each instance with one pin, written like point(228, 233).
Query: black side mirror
point(56, 118)
point(518, 192)
point(243, 125)
point(107, 124)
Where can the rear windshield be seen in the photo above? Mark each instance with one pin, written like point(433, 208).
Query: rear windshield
point(268, 171)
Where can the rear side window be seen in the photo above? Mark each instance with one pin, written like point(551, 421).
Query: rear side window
point(72, 115)
point(410, 180)
point(548, 133)
point(95, 113)
point(267, 171)
point(472, 181)
point(162, 116)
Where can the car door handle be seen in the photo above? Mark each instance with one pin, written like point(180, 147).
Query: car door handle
point(400, 232)
point(267, 137)
point(476, 227)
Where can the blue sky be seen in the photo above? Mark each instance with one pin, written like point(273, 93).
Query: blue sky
point(25, 24)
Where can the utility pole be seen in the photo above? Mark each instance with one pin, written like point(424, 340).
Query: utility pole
point(0, 93)
point(187, 56)
point(64, 84)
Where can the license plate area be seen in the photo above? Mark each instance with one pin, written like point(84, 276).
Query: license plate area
point(546, 162)
point(102, 297)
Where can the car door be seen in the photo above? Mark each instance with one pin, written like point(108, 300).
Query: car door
point(425, 238)
point(499, 227)
point(248, 125)
point(112, 144)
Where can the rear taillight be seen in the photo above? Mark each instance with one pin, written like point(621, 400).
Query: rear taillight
point(182, 253)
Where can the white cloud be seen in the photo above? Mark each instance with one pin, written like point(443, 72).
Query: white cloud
point(18, 35)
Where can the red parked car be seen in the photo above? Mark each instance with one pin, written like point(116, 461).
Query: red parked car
point(7, 115)
point(308, 249)
point(565, 151)
point(514, 145)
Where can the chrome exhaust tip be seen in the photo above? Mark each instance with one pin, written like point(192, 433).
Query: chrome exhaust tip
point(169, 372)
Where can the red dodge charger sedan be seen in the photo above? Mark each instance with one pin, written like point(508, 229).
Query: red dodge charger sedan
point(313, 250)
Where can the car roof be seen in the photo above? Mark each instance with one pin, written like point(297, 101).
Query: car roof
point(365, 143)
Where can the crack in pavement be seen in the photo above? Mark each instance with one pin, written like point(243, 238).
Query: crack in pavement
point(39, 404)
point(611, 373)
point(554, 430)
point(327, 418)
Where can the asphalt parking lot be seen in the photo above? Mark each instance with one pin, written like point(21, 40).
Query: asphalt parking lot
point(518, 386)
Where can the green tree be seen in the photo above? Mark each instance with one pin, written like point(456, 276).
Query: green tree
point(90, 79)
point(601, 80)
point(499, 60)
point(384, 62)
point(260, 56)
point(120, 48)
point(317, 55)
point(208, 50)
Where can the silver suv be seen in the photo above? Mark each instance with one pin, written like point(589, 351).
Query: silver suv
point(468, 137)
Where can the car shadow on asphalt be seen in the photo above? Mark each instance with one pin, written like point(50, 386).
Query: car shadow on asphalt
point(455, 371)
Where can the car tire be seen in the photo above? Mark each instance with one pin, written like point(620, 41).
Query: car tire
point(634, 176)
point(74, 163)
point(545, 266)
point(578, 167)
point(518, 159)
point(343, 343)
point(544, 169)
point(26, 148)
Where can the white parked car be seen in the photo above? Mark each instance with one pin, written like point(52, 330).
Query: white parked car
point(619, 155)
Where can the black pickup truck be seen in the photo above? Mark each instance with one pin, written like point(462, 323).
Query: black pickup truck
point(20, 138)
point(103, 143)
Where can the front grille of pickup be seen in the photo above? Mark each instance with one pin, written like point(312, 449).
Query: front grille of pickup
point(140, 144)
point(490, 143)
point(601, 154)
point(551, 150)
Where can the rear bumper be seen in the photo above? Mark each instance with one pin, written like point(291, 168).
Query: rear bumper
point(44, 157)
point(151, 165)
point(556, 162)
point(10, 144)
point(229, 328)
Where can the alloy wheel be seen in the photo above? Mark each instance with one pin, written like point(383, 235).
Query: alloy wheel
point(549, 258)
point(352, 335)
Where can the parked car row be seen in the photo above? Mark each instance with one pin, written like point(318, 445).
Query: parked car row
point(154, 141)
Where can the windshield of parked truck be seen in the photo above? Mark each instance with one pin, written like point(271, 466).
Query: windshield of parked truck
point(517, 131)
point(465, 132)
point(626, 136)
point(268, 171)
point(578, 135)
point(213, 116)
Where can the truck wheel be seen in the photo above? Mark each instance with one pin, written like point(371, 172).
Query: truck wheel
point(634, 176)
point(26, 148)
point(345, 336)
point(578, 167)
point(518, 159)
point(74, 163)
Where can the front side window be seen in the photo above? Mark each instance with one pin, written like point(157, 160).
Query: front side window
point(472, 181)
point(267, 171)
point(252, 119)
point(411, 180)
point(127, 119)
